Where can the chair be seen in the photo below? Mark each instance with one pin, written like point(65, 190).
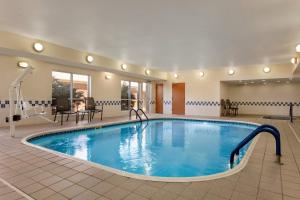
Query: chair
point(223, 108)
point(62, 105)
point(231, 108)
point(91, 108)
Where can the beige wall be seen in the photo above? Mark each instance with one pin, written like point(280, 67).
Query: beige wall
point(269, 99)
point(204, 93)
point(38, 86)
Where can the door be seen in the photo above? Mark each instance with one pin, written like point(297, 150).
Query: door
point(159, 98)
point(178, 98)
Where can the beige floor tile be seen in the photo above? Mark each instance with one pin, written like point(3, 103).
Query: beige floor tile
point(33, 188)
point(146, 191)
point(87, 195)
point(59, 186)
point(102, 188)
point(72, 191)
point(56, 196)
point(116, 193)
point(133, 196)
point(89, 182)
point(11, 196)
point(43, 193)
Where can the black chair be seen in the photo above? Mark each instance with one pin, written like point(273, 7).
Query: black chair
point(231, 108)
point(62, 106)
point(91, 109)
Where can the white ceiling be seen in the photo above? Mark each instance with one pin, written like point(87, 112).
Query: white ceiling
point(168, 34)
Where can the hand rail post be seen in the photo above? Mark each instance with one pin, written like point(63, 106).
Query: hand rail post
point(291, 112)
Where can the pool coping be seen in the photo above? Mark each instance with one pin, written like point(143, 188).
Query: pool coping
point(230, 172)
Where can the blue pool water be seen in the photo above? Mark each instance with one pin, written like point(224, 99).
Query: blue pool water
point(164, 148)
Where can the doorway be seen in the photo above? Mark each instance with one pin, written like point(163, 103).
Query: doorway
point(159, 108)
point(178, 98)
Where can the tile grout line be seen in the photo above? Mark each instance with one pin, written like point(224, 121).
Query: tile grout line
point(16, 189)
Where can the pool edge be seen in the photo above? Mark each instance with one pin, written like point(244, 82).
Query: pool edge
point(230, 172)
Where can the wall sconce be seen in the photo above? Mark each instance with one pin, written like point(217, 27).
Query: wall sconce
point(89, 59)
point(38, 47)
point(107, 76)
point(294, 60)
point(267, 69)
point(123, 66)
point(231, 72)
point(201, 74)
point(175, 75)
point(23, 64)
point(147, 72)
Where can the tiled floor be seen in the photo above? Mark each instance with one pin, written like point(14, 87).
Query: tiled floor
point(43, 175)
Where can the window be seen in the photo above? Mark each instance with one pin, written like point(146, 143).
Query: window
point(73, 86)
point(134, 95)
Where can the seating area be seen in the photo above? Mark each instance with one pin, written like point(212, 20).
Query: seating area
point(62, 106)
point(228, 108)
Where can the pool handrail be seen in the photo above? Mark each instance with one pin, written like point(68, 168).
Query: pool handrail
point(263, 128)
point(143, 113)
point(136, 114)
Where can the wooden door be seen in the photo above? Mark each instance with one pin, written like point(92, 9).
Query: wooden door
point(159, 98)
point(178, 98)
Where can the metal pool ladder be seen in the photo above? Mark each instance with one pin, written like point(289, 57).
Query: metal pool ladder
point(263, 128)
point(137, 114)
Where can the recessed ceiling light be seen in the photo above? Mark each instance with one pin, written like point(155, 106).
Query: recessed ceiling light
point(298, 48)
point(201, 74)
point(175, 75)
point(147, 72)
point(23, 64)
point(38, 47)
point(123, 66)
point(294, 60)
point(231, 72)
point(89, 58)
point(267, 69)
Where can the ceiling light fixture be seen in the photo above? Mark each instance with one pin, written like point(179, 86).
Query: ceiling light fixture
point(89, 58)
point(231, 72)
point(38, 47)
point(23, 64)
point(298, 48)
point(107, 76)
point(123, 66)
point(201, 74)
point(294, 60)
point(267, 69)
point(147, 72)
point(175, 75)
